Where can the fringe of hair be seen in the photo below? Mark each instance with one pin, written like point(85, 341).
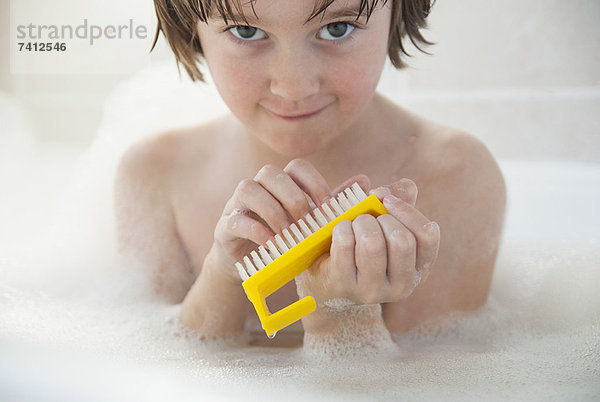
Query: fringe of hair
point(177, 20)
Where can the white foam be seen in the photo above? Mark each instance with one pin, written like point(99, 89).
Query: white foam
point(536, 338)
point(363, 334)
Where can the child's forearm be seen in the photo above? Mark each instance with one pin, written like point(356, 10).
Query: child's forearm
point(215, 306)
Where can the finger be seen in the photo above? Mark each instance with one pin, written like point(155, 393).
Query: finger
point(306, 176)
point(432, 234)
point(405, 189)
point(285, 190)
point(381, 192)
point(252, 196)
point(342, 268)
point(371, 255)
point(240, 225)
point(402, 255)
point(427, 233)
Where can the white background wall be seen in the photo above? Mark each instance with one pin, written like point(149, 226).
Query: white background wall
point(523, 76)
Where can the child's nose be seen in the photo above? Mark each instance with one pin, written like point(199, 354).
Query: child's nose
point(294, 75)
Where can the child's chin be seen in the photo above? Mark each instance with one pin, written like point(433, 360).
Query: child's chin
point(296, 151)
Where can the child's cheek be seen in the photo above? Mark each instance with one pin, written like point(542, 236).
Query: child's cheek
point(355, 80)
point(238, 80)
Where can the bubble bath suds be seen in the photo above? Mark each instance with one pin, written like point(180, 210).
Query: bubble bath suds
point(79, 323)
point(362, 335)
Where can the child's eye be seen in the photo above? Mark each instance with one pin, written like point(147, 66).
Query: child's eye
point(245, 32)
point(336, 30)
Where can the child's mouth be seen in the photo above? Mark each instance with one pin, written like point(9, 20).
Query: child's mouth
point(298, 116)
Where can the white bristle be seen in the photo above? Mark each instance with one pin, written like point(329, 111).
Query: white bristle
point(305, 230)
point(249, 266)
point(300, 230)
point(321, 220)
point(328, 211)
point(289, 238)
point(258, 263)
point(313, 225)
point(282, 246)
point(264, 255)
point(351, 197)
point(344, 202)
point(241, 271)
point(296, 232)
point(336, 207)
point(358, 191)
point(273, 250)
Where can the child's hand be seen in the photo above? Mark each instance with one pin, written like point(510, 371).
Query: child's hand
point(265, 205)
point(377, 260)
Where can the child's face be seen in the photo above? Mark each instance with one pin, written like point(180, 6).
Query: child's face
point(297, 85)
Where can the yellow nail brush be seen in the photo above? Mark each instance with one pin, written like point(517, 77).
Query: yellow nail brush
point(270, 268)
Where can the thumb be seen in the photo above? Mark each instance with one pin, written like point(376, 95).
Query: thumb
point(405, 189)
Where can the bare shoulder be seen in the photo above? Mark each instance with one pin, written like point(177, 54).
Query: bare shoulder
point(444, 160)
point(160, 160)
point(143, 179)
point(149, 175)
point(156, 156)
point(455, 151)
point(459, 163)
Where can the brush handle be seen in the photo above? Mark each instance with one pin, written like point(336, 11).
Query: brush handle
point(271, 323)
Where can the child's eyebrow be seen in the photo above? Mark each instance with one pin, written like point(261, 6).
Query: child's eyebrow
point(237, 19)
point(341, 13)
point(330, 15)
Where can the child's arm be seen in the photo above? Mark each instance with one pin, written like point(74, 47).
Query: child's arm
point(146, 230)
point(145, 222)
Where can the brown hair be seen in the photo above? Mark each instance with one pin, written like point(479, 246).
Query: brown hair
point(177, 20)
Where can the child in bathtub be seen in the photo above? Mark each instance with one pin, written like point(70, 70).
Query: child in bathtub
point(299, 78)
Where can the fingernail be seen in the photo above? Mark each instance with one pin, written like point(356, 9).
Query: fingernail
point(431, 226)
point(390, 200)
point(381, 192)
point(337, 231)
